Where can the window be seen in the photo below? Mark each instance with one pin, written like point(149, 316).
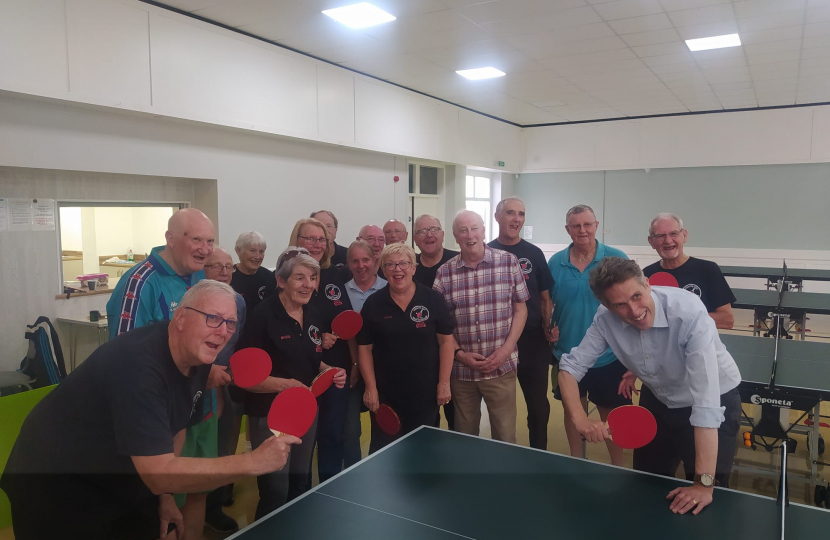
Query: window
point(108, 238)
point(478, 200)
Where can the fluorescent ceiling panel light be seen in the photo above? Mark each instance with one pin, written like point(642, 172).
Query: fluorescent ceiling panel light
point(481, 73)
point(360, 15)
point(714, 42)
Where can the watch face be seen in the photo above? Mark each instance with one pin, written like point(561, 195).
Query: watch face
point(707, 480)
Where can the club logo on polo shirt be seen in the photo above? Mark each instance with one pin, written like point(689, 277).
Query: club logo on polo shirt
point(195, 400)
point(315, 336)
point(527, 267)
point(692, 288)
point(261, 293)
point(420, 315)
point(333, 294)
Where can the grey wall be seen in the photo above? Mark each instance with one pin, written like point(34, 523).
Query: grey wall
point(755, 207)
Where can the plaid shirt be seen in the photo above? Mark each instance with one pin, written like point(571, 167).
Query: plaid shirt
point(481, 299)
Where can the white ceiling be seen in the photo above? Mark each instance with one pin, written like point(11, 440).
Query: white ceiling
point(566, 60)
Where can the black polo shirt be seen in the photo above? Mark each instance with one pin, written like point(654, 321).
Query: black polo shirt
point(295, 351)
point(537, 278)
point(127, 399)
point(339, 259)
point(700, 277)
point(331, 300)
point(426, 274)
point(254, 288)
point(405, 346)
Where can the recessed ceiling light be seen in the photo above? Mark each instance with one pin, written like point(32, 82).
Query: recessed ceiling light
point(481, 73)
point(714, 42)
point(360, 15)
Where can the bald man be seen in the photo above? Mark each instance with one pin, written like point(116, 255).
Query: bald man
point(151, 290)
point(395, 232)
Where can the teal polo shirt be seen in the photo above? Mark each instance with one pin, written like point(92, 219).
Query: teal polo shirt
point(149, 292)
point(575, 303)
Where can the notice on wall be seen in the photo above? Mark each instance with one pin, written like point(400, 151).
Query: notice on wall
point(43, 214)
point(4, 216)
point(20, 214)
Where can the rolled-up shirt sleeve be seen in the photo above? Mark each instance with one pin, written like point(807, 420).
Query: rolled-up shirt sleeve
point(702, 368)
point(585, 355)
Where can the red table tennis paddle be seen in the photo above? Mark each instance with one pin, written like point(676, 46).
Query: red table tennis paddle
point(388, 420)
point(250, 367)
point(631, 426)
point(322, 381)
point(347, 324)
point(292, 412)
point(663, 279)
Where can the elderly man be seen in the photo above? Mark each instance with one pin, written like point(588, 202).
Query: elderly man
point(703, 278)
point(338, 252)
point(534, 350)
point(219, 267)
point(429, 237)
point(690, 381)
point(395, 232)
point(151, 290)
point(95, 458)
point(373, 235)
point(250, 279)
point(486, 293)
point(574, 311)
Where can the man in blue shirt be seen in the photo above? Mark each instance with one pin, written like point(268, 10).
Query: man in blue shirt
point(151, 290)
point(574, 309)
point(665, 336)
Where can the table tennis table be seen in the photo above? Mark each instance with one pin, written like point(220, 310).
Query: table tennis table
point(802, 378)
point(796, 304)
point(794, 275)
point(442, 485)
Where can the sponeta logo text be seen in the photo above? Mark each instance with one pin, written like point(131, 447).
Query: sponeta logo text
point(758, 400)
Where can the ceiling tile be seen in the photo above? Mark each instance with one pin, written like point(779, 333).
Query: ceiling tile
point(651, 38)
point(739, 102)
point(703, 15)
point(582, 60)
point(817, 29)
point(773, 62)
point(815, 52)
point(773, 47)
point(679, 58)
point(816, 41)
point(774, 20)
point(727, 87)
point(578, 47)
point(661, 49)
point(708, 30)
point(647, 23)
point(754, 8)
point(818, 14)
point(682, 5)
point(578, 114)
point(773, 34)
point(761, 75)
point(624, 9)
point(674, 68)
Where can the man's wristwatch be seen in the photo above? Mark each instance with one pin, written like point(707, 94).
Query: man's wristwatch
point(455, 353)
point(705, 480)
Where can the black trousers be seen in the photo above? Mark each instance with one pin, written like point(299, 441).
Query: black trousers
point(410, 421)
point(675, 440)
point(534, 371)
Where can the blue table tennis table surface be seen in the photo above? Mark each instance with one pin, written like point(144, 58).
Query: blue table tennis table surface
point(436, 484)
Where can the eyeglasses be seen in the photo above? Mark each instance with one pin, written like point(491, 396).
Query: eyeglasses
point(217, 267)
point(215, 321)
point(403, 265)
point(423, 232)
point(674, 235)
point(312, 240)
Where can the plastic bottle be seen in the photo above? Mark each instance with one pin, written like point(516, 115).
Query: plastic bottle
point(130, 257)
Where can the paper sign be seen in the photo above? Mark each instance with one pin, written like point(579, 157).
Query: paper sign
point(43, 214)
point(20, 214)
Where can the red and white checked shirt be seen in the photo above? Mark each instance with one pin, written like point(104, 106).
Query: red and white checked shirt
point(481, 300)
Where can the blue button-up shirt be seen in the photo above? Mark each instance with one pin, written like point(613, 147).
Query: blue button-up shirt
point(358, 297)
point(575, 303)
point(681, 358)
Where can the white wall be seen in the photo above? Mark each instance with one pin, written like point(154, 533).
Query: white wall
point(70, 219)
point(800, 135)
point(132, 56)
